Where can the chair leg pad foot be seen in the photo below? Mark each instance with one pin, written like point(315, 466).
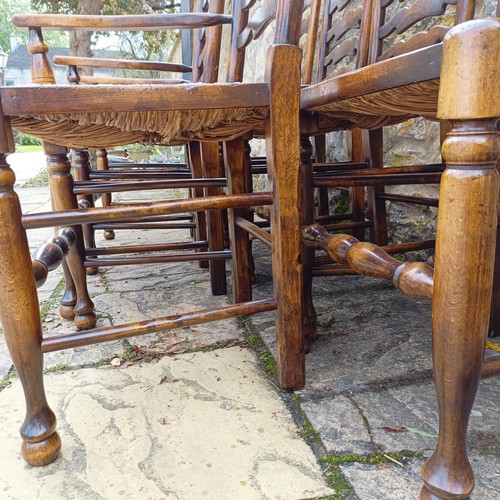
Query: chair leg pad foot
point(42, 452)
point(85, 321)
point(66, 311)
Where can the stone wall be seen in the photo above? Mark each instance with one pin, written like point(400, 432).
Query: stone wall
point(412, 142)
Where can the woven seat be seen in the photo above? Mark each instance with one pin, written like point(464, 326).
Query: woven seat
point(98, 130)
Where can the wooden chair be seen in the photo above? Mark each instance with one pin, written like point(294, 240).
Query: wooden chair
point(220, 112)
point(158, 176)
point(394, 86)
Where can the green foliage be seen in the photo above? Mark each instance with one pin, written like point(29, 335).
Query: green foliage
point(27, 140)
point(7, 29)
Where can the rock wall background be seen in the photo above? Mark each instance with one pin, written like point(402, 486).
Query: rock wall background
point(413, 142)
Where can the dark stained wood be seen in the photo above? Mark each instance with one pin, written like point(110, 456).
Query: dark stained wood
point(193, 150)
point(254, 230)
point(49, 99)
point(178, 321)
point(103, 166)
point(424, 63)
point(157, 259)
point(116, 187)
point(152, 247)
point(50, 255)
point(282, 146)
point(108, 80)
point(236, 160)
point(278, 97)
point(491, 366)
point(400, 198)
point(62, 198)
point(313, 24)
point(215, 236)
point(70, 217)
point(81, 170)
point(21, 326)
point(306, 199)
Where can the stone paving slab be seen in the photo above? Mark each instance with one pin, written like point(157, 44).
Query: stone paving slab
point(393, 482)
point(371, 366)
point(198, 425)
point(355, 424)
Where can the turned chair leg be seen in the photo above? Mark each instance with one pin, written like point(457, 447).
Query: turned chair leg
point(465, 247)
point(81, 164)
point(20, 319)
point(61, 188)
point(102, 164)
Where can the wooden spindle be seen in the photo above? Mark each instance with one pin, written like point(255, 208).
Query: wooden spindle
point(413, 279)
point(50, 255)
point(41, 72)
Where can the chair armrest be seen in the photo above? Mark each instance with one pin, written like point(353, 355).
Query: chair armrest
point(97, 62)
point(147, 22)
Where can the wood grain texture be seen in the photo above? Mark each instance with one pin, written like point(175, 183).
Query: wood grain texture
point(62, 197)
point(88, 98)
point(98, 62)
point(465, 246)
point(20, 320)
point(144, 22)
point(282, 146)
point(413, 279)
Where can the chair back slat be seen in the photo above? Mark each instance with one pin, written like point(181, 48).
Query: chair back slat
point(404, 26)
point(339, 49)
point(249, 25)
point(207, 43)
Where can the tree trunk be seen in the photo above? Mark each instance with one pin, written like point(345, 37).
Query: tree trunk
point(79, 41)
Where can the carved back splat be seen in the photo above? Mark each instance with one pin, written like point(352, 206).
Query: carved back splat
point(404, 26)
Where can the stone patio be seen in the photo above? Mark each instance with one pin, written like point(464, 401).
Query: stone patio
point(196, 412)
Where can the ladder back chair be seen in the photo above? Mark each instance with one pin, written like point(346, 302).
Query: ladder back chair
point(403, 82)
point(135, 178)
point(204, 111)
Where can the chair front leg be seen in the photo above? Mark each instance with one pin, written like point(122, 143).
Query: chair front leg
point(465, 246)
point(20, 319)
point(61, 188)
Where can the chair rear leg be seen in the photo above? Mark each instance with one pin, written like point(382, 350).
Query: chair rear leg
point(215, 223)
point(81, 164)
point(106, 198)
point(283, 157)
point(307, 218)
point(20, 319)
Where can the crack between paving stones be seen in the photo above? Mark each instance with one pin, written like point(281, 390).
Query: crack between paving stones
point(366, 423)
